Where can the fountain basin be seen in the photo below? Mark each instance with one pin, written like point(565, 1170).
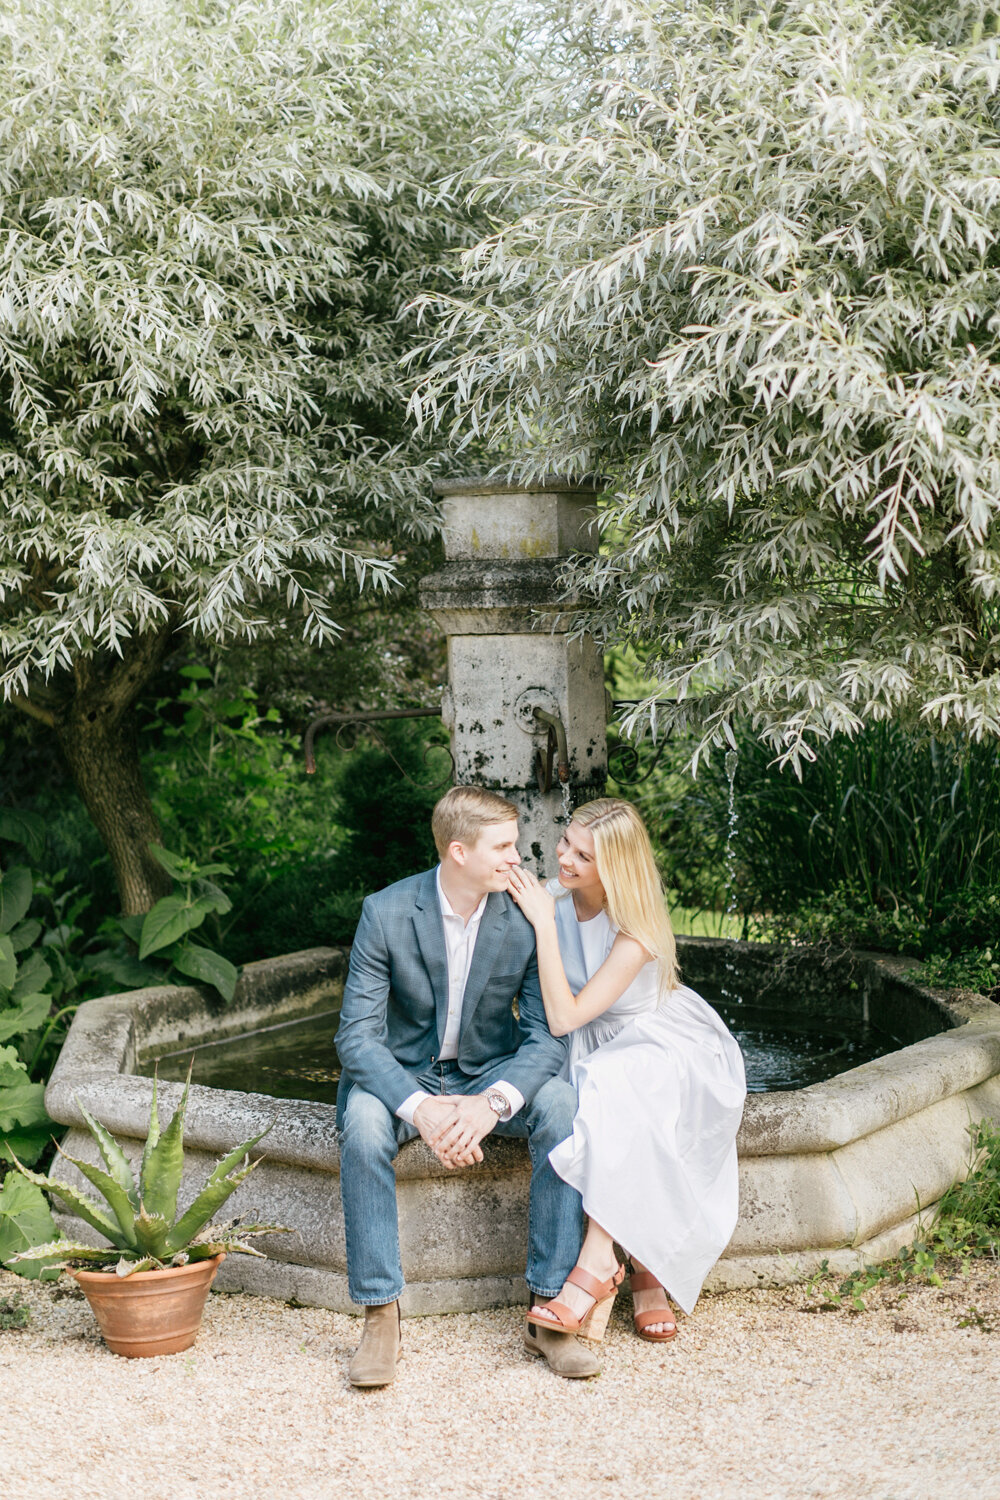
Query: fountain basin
point(840, 1170)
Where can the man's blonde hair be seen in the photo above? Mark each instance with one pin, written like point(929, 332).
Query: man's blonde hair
point(463, 813)
point(633, 891)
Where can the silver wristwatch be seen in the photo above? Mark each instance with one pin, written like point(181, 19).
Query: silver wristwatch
point(498, 1103)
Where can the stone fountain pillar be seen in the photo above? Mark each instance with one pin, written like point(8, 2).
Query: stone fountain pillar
point(497, 601)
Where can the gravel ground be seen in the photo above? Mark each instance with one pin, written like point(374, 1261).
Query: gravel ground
point(758, 1397)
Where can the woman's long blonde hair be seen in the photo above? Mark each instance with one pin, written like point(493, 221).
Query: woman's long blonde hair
point(633, 890)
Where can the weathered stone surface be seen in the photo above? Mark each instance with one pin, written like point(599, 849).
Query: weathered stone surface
point(831, 1172)
point(491, 744)
point(485, 519)
point(497, 599)
point(737, 1272)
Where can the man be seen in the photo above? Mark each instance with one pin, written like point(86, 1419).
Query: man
point(430, 1046)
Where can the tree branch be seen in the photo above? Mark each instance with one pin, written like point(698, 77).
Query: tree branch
point(34, 710)
point(128, 679)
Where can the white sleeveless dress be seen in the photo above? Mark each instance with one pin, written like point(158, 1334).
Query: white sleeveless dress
point(661, 1087)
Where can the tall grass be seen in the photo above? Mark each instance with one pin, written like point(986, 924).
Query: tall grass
point(892, 839)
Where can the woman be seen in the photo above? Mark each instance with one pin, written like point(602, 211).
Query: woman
point(659, 1078)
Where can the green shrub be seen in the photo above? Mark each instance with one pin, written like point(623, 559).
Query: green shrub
point(373, 829)
point(890, 841)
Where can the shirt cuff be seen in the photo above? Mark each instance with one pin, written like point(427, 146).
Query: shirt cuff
point(513, 1096)
point(409, 1106)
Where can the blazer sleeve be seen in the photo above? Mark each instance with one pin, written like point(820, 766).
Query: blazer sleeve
point(362, 1036)
point(540, 1055)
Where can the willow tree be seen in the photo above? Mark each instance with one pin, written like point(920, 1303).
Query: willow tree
point(753, 278)
point(211, 217)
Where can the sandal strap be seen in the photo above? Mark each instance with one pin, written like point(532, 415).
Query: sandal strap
point(563, 1316)
point(643, 1281)
point(658, 1315)
point(592, 1285)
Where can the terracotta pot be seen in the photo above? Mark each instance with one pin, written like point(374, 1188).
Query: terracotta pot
point(150, 1312)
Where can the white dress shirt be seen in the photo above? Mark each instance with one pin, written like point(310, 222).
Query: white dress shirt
point(459, 943)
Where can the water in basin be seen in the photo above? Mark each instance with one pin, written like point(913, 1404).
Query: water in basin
point(783, 1049)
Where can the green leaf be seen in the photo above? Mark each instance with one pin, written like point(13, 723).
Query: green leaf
point(152, 1137)
point(59, 1252)
point(23, 1104)
point(28, 1015)
point(211, 891)
point(162, 1168)
point(25, 1219)
point(174, 864)
point(205, 1249)
point(132, 927)
point(8, 964)
point(25, 1145)
point(169, 920)
point(25, 828)
point(78, 1203)
point(205, 964)
point(113, 1156)
point(12, 1069)
point(34, 974)
point(151, 1233)
point(196, 673)
point(126, 1267)
point(113, 1193)
point(221, 1185)
point(25, 934)
point(125, 970)
point(15, 896)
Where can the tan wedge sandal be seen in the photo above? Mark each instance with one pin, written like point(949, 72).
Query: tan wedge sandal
point(645, 1281)
point(594, 1323)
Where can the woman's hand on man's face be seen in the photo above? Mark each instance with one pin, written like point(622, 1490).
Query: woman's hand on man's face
point(533, 899)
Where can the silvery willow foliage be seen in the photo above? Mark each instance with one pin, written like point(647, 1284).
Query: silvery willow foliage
point(211, 218)
point(753, 279)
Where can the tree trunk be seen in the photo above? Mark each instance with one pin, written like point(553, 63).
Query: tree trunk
point(91, 714)
point(102, 752)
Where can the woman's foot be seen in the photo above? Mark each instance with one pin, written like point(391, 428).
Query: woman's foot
point(585, 1302)
point(649, 1299)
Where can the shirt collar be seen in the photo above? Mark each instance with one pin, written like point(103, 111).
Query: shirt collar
point(447, 910)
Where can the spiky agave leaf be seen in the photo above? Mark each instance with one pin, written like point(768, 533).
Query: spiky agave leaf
point(236, 1226)
point(151, 1233)
point(221, 1185)
point(61, 1253)
point(162, 1167)
point(126, 1267)
point(114, 1159)
point(115, 1195)
point(78, 1203)
point(230, 1237)
point(152, 1136)
point(204, 1250)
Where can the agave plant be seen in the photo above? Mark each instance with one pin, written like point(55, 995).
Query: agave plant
point(144, 1233)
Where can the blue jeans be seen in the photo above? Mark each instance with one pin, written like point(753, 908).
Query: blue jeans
point(371, 1137)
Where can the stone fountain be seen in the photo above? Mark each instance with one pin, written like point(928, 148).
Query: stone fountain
point(839, 1171)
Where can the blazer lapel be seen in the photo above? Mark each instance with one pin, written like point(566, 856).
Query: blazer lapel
point(570, 946)
point(489, 941)
point(429, 927)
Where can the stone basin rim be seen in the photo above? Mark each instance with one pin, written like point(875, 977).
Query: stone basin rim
point(109, 1035)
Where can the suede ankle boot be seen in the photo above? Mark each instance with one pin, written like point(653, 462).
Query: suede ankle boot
point(379, 1350)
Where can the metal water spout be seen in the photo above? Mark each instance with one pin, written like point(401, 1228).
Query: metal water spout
point(556, 751)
